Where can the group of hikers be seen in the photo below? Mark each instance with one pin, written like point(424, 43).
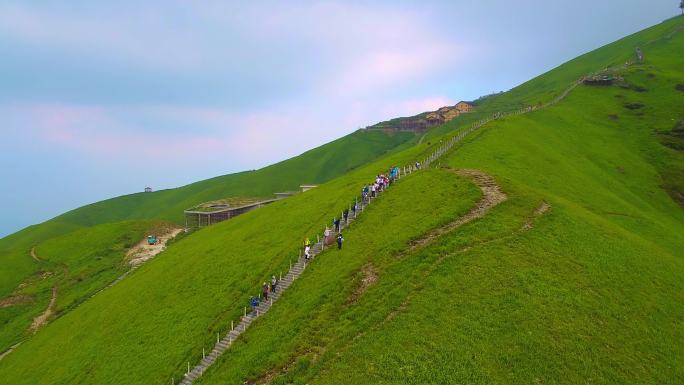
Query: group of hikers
point(266, 291)
point(369, 191)
point(381, 182)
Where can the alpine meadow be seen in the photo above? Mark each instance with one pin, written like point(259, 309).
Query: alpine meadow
point(535, 239)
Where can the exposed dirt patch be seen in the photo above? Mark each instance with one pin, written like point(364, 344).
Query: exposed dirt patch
point(143, 252)
point(633, 106)
point(15, 300)
point(539, 211)
point(45, 316)
point(492, 196)
point(266, 378)
point(370, 277)
point(674, 139)
point(33, 255)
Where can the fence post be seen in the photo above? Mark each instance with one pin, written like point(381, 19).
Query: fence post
point(245, 312)
point(217, 338)
point(188, 372)
point(204, 354)
point(231, 325)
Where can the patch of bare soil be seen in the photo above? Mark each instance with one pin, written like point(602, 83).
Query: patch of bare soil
point(143, 252)
point(539, 211)
point(370, 277)
point(268, 377)
point(45, 316)
point(492, 196)
point(15, 300)
point(33, 255)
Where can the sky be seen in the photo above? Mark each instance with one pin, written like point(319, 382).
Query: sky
point(100, 99)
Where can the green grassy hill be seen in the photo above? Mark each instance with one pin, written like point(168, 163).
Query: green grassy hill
point(18, 269)
point(588, 290)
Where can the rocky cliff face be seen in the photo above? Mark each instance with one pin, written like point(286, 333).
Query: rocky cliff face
point(422, 122)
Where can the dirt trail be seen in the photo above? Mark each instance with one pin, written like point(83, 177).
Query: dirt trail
point(492, 196)
point(529, 224)
point(43, 318)
point(143, 252)
point(15, 300)
point(33, 255)
point(370, 277)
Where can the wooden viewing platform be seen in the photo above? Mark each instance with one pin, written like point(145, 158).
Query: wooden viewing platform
point(196, 218)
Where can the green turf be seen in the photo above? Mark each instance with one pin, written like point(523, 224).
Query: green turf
point(314, 166)
point(77, 264)
point(181, 309)
point(591, 293)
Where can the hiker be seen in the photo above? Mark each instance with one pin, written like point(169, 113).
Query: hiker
point(345, 214)
point(340, 239)
point(373, 188)
point(254, 302)
point(307, 252)
point(274, 284)
point(336, 222)
point(264, 291)
point(354, 209)
point(326, 236)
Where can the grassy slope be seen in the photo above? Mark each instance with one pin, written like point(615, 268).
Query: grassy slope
point(592, 293)
point(77, 264)
point(315, 166)
point(162, 312)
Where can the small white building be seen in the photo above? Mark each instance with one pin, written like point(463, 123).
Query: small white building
point(148, 189)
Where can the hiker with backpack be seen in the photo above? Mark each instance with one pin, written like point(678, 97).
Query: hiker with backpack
point(340, 239)
point(336, 222)
point(264, 290)
point(253, 302)
point(345, 214)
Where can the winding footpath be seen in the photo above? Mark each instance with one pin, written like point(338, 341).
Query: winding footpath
point(45, 316)
point(491, 197)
